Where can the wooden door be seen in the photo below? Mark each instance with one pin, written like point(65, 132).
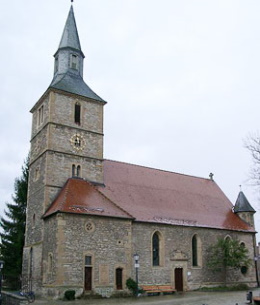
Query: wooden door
point(178, 273)
point(88, 278)
point(119, 278)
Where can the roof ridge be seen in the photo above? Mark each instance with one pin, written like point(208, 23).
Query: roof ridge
point(158, 169)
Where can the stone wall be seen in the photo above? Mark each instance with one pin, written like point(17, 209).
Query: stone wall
point(106, 240)
point(177, 253)
point(111, 244)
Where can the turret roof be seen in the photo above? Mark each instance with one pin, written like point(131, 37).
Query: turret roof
point(242, 204)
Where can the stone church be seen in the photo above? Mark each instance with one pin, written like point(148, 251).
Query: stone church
point(88, 216)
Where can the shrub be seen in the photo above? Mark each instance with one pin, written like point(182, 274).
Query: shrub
point(69, 295)
point(132, 286)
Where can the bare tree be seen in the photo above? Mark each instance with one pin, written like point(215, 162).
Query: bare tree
point(252, 143)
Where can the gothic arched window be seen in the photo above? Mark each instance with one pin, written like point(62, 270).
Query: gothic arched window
point(194, 251)
point(156, 249)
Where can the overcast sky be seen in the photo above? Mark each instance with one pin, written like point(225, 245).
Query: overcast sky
point(181, 78)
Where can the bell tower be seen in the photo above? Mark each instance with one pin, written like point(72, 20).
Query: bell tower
point(66, 141)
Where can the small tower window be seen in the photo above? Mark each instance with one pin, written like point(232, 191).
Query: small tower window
point(50, 263)
point(78, 171)
point(73, 170)
point(40, 116)
point(33, 220)
point(77, 113)
point(56, 64)
point(74, 62)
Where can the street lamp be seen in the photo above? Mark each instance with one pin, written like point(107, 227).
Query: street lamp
point(136, 258)
point(1, 267)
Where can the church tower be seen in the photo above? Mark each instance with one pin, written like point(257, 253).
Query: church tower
point(66, 141)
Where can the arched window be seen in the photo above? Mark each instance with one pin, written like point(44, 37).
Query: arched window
point(73, 170)
point(228, 238)
point(77, 113)
point(194, 251)
point(156, 249)
point(78, 171)
point(50, 263)
point(119, 278)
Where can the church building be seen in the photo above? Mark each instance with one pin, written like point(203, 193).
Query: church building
point(87, 216)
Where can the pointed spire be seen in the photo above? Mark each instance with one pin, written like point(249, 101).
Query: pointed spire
point(242, 204)
point(68, 68)
point(70, 37)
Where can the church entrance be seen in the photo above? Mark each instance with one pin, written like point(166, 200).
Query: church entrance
point(88, 278)
point(178, 275)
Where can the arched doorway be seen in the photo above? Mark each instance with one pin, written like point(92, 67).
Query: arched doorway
point(178, 275)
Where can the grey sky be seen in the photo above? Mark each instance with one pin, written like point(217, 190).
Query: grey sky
point(181, 79)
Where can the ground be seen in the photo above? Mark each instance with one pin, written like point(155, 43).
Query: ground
point(187, 298)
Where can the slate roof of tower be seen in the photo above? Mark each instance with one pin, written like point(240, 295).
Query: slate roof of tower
point(71, 82)
point(70, 37)
point(74, 84)
point(153, 196)
point(242, 204)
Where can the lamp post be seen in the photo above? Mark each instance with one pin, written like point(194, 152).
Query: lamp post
point(1, 267)
point(136, 258)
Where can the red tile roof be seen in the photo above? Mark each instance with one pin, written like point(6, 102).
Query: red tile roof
point(150, 195)
point(80, 197)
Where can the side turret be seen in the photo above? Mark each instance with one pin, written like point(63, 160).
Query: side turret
point(244, 209)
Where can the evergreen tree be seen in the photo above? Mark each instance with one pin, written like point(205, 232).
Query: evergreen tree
point(13, 229)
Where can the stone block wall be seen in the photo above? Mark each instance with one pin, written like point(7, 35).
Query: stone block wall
point(176, 242)
point(106, 240)
point(111, 243)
